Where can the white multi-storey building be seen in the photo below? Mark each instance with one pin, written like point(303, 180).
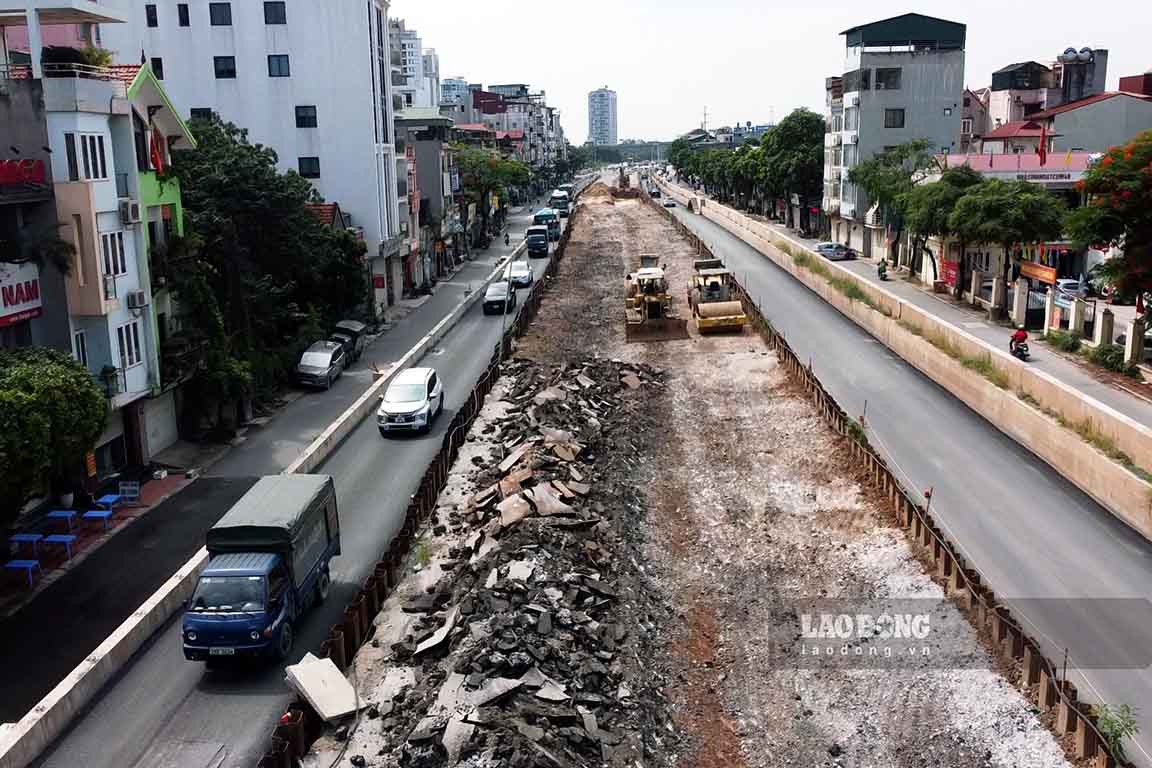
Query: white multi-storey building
point(602, 117)
point(310, 80)
point(430, 95)
point(454, 90)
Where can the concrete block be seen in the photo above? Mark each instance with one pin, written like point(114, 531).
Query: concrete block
point(1020, 302)
point(977, 282)
point(1134, 343)
point(1049, 310)
point(1076, 319)
point(1105, 325)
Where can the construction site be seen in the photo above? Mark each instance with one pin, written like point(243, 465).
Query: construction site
point(645, 550)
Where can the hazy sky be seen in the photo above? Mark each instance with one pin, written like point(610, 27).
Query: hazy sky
point(743, 60)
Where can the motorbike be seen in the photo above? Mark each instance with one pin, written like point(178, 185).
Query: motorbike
point(882, 271)
point(1020, 351)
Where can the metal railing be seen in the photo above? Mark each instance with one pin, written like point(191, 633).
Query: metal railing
point(109, 282)
point(15, 71)
point(112, 75)
point(113, 381)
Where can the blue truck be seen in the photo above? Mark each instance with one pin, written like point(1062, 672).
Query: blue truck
point(269, 559)
point(550, 219)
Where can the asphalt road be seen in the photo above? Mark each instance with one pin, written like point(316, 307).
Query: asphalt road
point(165, 712)
point(1050, 551)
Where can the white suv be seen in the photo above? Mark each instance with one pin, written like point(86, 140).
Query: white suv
point(413, 399)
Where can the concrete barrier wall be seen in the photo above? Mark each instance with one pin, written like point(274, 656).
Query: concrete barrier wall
point(24, 741)
point(1116, 488)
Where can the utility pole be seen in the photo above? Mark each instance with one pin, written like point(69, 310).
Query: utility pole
point(704, 125)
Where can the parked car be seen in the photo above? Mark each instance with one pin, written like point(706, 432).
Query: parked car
point(669, 202)
point(321, 364)
point(411, 402)
point(834, 251)
point(353, 335)
point(520, 273)
point(499, 299)
point(1072, 288)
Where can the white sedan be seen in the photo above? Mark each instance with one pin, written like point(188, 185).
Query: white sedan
point(520, 274)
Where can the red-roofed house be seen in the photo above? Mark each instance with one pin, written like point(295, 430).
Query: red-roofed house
point(1012, 138)
point(328, 214)
point(1098, 122)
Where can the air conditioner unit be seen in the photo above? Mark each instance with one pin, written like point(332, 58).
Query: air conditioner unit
point(129, 212)
point(137, 299)
point(854, 138)
point(855, 101)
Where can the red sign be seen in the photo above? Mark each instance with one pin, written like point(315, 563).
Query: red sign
point(19, 317)
point(19, 293)
point(22, 172)
point(379, 282)
point(951, 272)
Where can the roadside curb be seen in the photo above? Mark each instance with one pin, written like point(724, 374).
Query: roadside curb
point(24, 741)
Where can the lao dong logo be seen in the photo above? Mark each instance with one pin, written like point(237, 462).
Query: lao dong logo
point(862, 626)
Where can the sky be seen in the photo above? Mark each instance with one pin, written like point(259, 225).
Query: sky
point(741, 60)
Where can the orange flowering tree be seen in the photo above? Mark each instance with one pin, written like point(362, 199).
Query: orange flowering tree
point(1119, 213)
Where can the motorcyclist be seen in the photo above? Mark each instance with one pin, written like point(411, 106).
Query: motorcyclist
point(505, 238)
point(882, 268)
point(1018, 338)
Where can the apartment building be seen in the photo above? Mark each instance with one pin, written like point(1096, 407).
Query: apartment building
point(602, 117)
point(903, 80)
point(311, 80)
point(454, 90)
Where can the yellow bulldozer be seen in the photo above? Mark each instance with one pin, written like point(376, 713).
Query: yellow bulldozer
point(710, 297)
point(648, 313)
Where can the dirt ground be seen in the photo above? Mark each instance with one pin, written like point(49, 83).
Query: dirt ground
point(752, 510)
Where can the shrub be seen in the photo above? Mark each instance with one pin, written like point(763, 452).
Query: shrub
point(1111, 356)
point(1065, 342)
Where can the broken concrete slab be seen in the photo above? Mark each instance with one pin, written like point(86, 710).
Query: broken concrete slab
point(457, 734)
point(550, 394)
point(547, 501)
point(521, 570)
point(322, 685)
point(396, 681)
point(441, 634)
point(631, 380)
point(580, 488)
point(513, 509)
point(493, 689)
point(515, 456)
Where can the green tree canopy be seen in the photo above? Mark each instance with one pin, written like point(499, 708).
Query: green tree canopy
point(794, 152)
point(484, 171)
point(51, 413)
point(258, 269)
point(888, 176)
point(1119, 213)
point(1007, 213)
point(927, 207)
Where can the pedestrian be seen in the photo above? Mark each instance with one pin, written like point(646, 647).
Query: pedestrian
point(505, 239)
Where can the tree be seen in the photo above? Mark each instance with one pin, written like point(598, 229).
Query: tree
point(889, 175)
point(257, 266)
point(794, 153)
point(484, 171)
point(51, 413)
point(927, 207)
point(1007, 213)
point(1119, 213)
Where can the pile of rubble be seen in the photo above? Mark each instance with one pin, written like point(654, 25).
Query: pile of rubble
point(530, 647)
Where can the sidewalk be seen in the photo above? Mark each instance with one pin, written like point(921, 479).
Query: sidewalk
point(74, 610)
point(1134, 399)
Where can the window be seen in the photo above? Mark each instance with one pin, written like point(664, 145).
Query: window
point(274, 13)
point(967, 101)
point(128, 342)
point(966, 125)
point(150, 15)
point(947, 111)
point(80, 348)
point(158, 67)
point(182, 14)
point(70, 150)
point(114, 262)
point(309, 167)
point(305, 117)
point(278, 65)
point(220, 14)
point(888, 78)
point(90, 164)
point(201, 113)
point(893, 118)
point(225, 67)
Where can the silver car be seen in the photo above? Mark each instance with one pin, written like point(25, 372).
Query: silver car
point(520, 273)
point(321, 364)
point(413, 399)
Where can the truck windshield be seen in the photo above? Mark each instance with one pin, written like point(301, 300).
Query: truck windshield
point(232, 594)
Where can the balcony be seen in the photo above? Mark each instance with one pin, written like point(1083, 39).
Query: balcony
point(112, 380)
point(181, 356)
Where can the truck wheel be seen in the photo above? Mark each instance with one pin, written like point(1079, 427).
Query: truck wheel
point(284, 645)
point(322, 585)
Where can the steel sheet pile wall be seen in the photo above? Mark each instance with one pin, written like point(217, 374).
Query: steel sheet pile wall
point(300, 726)
point(1040, 677)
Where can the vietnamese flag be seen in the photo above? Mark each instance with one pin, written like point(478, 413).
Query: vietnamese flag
point(157, 153)
point(1043, 148)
